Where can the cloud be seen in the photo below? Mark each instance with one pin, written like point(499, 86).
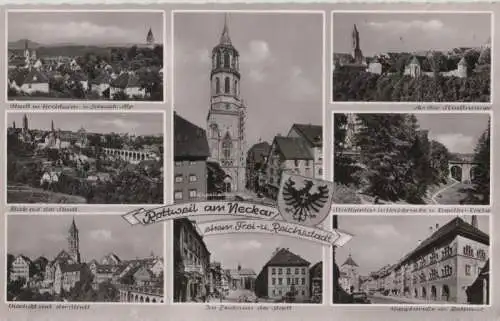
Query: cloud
point(55, 237)
point(381, 231)
point(242, 245)
point(101, 235)
point(120, 124)
point(403, 26)
point(257, 57)
point(82, 31)
point(299, 87)
point(204, 56)
point(456, 143)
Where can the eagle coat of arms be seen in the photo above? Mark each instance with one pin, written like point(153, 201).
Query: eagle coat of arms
point(304, 200)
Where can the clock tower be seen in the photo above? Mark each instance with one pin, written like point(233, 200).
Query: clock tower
point(227, 113)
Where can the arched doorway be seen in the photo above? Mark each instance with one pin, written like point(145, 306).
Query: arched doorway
point(227, 184)
point(147, 299)
point(416, 293)
point(445, 293)
point(456, 172)
point(433, 293)
point(424, 293)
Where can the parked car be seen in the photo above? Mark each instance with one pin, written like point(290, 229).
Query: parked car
point(360, 297)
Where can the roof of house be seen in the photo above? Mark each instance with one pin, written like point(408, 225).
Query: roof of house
point(350, 261)
point(190, 141)
point(258, 150)
point(453, 228)
point(292, 147)
point(126, 80)
point(35, 77)
point(25, 258)
point(241, 272)
point(73, 267)
point(313, 134)
point(103, 78)
point(317, 269)
point(283, 257)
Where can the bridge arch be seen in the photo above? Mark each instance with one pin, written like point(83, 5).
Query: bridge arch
point(464, 172)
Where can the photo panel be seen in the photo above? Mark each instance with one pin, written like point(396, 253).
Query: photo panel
point(412, 159)
point(248, 100)
point(414, 259)
point(412, 56)
point(54, 258)
point(90, 55)
point(85, 158)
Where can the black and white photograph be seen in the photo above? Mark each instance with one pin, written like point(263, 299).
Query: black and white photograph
point(85, 55)
point(414, 259)
point(55, 258)
point(85, 157)
point(411, 56)
point(244, 268)
point(419, 158)
point(248, 102)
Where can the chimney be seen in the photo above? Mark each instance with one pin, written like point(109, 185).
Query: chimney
point(474, 221)
point(437, 226)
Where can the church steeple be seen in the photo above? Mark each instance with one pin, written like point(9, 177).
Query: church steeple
point(52, 126)
point(74, 242)
point(357, 54)
point(224, 37)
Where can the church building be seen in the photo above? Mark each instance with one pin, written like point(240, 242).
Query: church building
point(227, 114)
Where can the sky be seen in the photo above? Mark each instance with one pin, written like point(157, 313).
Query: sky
point(409, 32)
point(85, 28)
point(458, 132)
point(253, 250)
point(46, 235)
point(280, 66)
point(382, 240)
point(131, 123)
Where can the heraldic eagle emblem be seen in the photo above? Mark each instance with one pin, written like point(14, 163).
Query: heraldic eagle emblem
point(304, 200)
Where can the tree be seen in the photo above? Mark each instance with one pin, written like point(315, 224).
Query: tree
point(120, 95)
point(345, 168)
point(481, 179)
point(10, 260)
point(107, 292)
point(439, 158)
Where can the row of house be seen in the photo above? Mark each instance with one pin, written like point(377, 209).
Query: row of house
point(450, 265)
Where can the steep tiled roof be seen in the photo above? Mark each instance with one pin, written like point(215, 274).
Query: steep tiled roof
point(313, 134)
point(190, 141)
point(293, 148)
point(126, 80)
point(350, 261)
point(455, 227)
point(286, 258)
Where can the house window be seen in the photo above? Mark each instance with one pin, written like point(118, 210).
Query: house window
point(296, 270)
point(280, 281)
point(303, 293)
point(192, 163)
point(287, 281)
point(217, 85)
point(288, 271)
point(178, 195)
point(296, 162)
point(235, 89)
point(193, 178)
point(274, 281)
point(467, 269)
point(303, 270)
point(320, 171)
point(273, 271)
point(192, 193)
point(307, 162)
point(227, 60)
point(280, 271)
point(178, 178)
point(227, 85)
point(303, 281)
point(226, 147)
point(279, 292)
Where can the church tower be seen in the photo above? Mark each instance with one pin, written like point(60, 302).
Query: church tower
point(357, 55)
point(74, 243)
point(25, 123)
point(150, 39)
point(227, 113)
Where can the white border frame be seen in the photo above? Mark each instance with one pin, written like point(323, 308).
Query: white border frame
point(76, 101)
point(421, 12)
point(172, 102)
point(87, 205)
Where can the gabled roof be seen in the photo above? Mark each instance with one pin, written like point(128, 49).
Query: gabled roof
point(258, 150)
point(126, 80)
point(453, 228)
point(25, 258)
point(35, 77)
point(242, 272)
point(350, 261)
point(190, 141)
point(283, 257)
point(292, 148)
point(313, 134)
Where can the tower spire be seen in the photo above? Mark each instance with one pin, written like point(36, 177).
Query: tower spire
point(224, 37)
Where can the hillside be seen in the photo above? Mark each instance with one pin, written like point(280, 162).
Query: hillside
point(21, 43)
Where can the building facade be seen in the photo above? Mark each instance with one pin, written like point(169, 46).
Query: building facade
point(442, 267)
point(313, 136)
point(349, 276)
point(191, 263)
point(316, 282)
point(20, 269)
point(241, 278)
point(190, 156)
point(227, 114)
point(256, 160)
point(285, 276)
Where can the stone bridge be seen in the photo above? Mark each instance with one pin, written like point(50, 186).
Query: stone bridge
point(131, 156)
point(462, 170)
point(141, 294)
